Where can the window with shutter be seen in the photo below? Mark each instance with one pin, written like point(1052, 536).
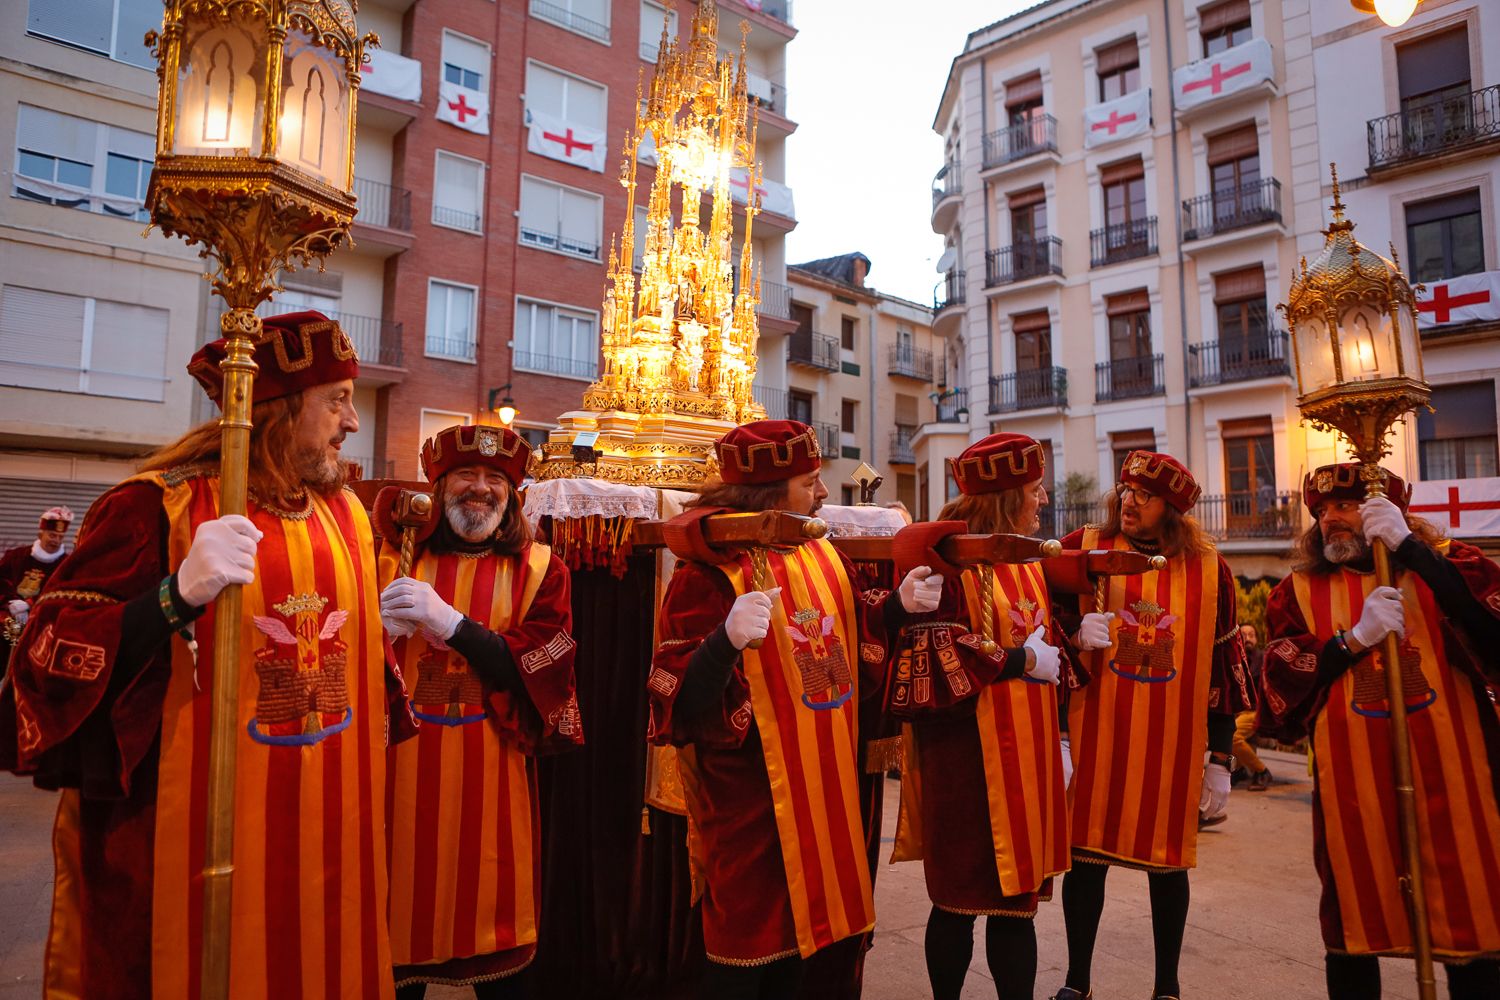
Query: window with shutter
point(1457, 437)
point(1118, 67)
point(458, 192)
point(450, 320)
point(653, 17)
point(560, 218)
point(70, 343)
point(571, 98)
point(1445, 237)
point(466, 61)
point(556, 340)
point(586, 17)
point(76, 163)
point(112, 28)
point(1433, 66)
point(1224, 25)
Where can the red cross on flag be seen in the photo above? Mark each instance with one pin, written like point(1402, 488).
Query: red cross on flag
point(564, 140)
point(1464, 508)
point(468, 109)
point(1245, 66)
point(1123, 118)
point(1470, 298)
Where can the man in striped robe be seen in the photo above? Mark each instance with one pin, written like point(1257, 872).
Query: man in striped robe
point(1166, 682)
point(482, 632)
point(111, 687)
point(1324, 678)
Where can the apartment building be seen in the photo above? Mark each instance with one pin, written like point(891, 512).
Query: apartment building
point(1416, 143)
point(96, 322)
point(1115, 201)
point(864, 369)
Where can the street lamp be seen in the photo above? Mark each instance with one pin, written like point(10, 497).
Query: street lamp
point(1394, 13)
point(1353, 315)
point(506, 408)
point(255, 161)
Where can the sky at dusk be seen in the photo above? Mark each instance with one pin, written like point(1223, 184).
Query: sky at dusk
point(863, 85)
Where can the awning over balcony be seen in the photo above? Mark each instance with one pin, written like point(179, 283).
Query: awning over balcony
point(392, 75)
point(1471, 298)
point(1464, 508)
point(1123, 118)
point(1243, 67)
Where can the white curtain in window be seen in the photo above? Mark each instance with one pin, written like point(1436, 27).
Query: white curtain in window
point(595, 10)
point(538, 208)
point(566, 97)
point(653, 16)
point(580, 222)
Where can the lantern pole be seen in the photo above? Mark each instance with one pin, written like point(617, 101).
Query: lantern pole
point(1347, 275)
point(254, 216)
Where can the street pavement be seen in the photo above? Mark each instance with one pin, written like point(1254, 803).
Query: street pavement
point(1252, 930)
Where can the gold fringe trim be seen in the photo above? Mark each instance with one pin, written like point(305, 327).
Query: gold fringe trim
point(746, 963)
point(1090, 857)
point(1028, 914)
point(883, 755)
point(441, 981)
point(87, 596)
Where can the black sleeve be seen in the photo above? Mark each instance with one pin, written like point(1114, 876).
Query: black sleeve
point(1452, 592)
point(1220, 732)
point(707, 674)
point(488, 656)
point(143, 628)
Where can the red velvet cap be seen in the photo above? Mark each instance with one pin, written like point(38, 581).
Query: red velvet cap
point(1162, 475)
point(55, 519)
point(998, 462)
point(297, 351)
point(498, 448)
point(767, 451)
point(1342, 482)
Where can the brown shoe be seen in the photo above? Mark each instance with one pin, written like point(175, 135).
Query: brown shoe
point(1069, 993)
point(1259, 781)
point(1205, 822)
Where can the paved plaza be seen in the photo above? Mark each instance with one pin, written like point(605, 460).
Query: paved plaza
point(1252, 932)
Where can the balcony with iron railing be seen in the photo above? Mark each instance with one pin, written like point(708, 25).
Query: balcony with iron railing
point(1445, 123)
point(1129, 378)
point(1218, 362)
point(771, 399)
point(1058, 520)
point(947, 182)
point(376, 341)
point(1122, 241)
point(830, 440)
point(565, 18)
point(813, 350)
point(952, 406)
point(456, 218)
point(910, 362)
point(1030, 389)
point(768, 95)
point(382, 205)
point(570, 245)
point(1021, 260)
point(552, 364)
point(1231, 208)
point(775, 300)
point(902, 450)
point(1259, 514)
point(1034, 134)
point(949, 291)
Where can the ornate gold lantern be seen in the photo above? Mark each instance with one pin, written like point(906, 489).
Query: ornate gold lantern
point(679, 339)
point(1353, 315)
point(255, 161)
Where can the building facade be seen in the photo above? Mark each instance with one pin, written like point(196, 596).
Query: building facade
point(864, 369)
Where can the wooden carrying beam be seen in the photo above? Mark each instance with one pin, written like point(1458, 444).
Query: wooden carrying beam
point(960, 550)
point(767, 527)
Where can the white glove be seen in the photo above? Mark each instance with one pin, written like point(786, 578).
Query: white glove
point(1215, 796)
point(1383, 520)
point(1067, 760)
point(1382, 614)
point(19, 610)
point(1044, 666)
point(920, 590)
point(750, 618)
point(414, 601)
point(397, 628)
point(222, 553)
point(1094, 632)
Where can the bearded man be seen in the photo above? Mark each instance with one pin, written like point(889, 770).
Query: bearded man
point(1167, 679)
point(112, 682)
point(23, 571)
point(482, 631)
point(1324, 676)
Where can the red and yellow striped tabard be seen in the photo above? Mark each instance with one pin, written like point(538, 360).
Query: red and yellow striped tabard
point(462, 797)
point(804, 693)
point(309, 907)
point(1138, 730)
point(1455, 788)
point(1018, 735)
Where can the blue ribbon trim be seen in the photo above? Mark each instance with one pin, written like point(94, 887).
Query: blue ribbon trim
point(301, 739)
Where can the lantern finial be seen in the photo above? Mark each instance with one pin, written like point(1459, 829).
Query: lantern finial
point(1340, 224)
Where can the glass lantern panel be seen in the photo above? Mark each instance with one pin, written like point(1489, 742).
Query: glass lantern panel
point(221, 88)
point(1411, 345)
point(1367, 344)
point(314, 133)
point(1314, 354)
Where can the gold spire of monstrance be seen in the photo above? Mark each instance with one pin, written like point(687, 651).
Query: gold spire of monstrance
point(678, 341)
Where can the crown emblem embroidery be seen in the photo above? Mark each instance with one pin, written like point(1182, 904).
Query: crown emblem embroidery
point(489, 442)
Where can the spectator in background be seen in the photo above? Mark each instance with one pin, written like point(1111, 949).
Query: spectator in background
point(1257, 774)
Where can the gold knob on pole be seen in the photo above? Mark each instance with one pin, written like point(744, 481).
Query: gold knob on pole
point(1051, 547)
point(814, 527)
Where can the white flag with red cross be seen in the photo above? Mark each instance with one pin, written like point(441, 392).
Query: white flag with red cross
point(395, 76)
point(1470, 298)
point(564, 140)
point(775, 197)
point(1123, 118)
point(1464, 508)
point(468, 109)
point(1240, 68)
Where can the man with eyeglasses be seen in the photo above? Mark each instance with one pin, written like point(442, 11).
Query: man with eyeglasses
point(1168, 677)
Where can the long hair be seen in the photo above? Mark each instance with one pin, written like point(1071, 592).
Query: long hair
point(273, 475)
point(745, 497)
point(513, 535)
point(1179, 535)
point(988, 513)
point(1308, 554)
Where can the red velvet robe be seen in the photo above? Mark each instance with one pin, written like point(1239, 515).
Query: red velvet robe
point(1455, 737)
point(22, 576)
point(747, 908)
